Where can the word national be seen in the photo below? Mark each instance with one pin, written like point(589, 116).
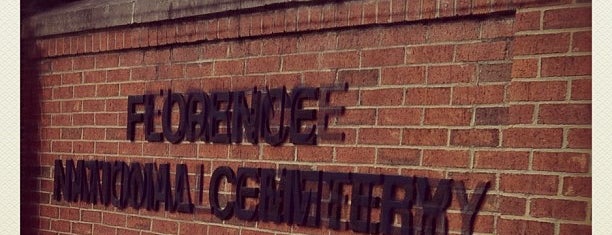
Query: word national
point(225, 116)
point(377, 203)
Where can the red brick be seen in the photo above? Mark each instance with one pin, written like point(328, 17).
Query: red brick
point(314, 154)
point(565, 114)
point(527, 20)
point(102, 229)
point(84, 91)
point(157, 56)
point(541, 44)
point(428, 96)
point(355, 39)
point(475, 137)
point(454, 31)
point(566, 66)
point(215, 50)
point(118, 75)
point(106, 148)
point(382, 97)
point(347, 155)
point(198, 70)
point(403, 34)
point(131, 58)
point(171, 71)
point(191, 228)
point(505, 160)
point(482, 51)
point(398, 156)
point(537, 91)
point(529, 183)
point(344, 59)
point(72, 78)
point(512, 205)
point(81, 228)
point(561, 162)
point(448, 116)
point(229, 67)
point(478, 95)
point(63, 64)
point(113, 219)
point(471, 181)
point(164, 226)
point(359, 78)
point(300, 62)
point(279, 80)
point(60, 225)
point(358, 117)
point(138, 222)
point(558, 209)
point(382, 57)
point(185, 54)
point(524, 68)
point(495, 72)
point(446, 158)
point(399, 116)
point(263, 64)
point(509, 226)
point(62, 92)
point(582, 89)
point(577, 186)
point(567, 18)
point(450, 74)
point(282, 153)
point(579, 138)
point(107, 90)
point(581, 41)
point(497, 28)
point(533, 137)
point(379, 136)
point(317, 42)
point(570, 229)
point(430, 54)
point(107, 60)
point(83, 62)
point(425, 137)
point(403, 75)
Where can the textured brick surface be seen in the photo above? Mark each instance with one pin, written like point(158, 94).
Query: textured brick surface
point(475, 91)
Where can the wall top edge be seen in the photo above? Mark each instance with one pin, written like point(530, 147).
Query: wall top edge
point(97, 14)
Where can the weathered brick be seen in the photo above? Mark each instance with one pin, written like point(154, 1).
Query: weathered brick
point(532, 137)
point(561, 162)
point(493, 94)
point(403, 75)
point(482, 51)
point(425, 137)
point(558, 209)
point(382, 57)
point(446, 158)
point(451, 74)
point(428, 96)
point(567, 18)
point(382, 97)
point(475, 137)
point(566, 66)
point(448, 116)
point(565, 114)
point(541, 44)
point(505, 160)
point(517, 226)
point(529, 183)
point(537, 91)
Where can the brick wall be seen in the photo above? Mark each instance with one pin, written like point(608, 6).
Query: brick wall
point(475, 91)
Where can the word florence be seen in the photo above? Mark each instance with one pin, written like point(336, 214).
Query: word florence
point(299, 197)
point(223, 116)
